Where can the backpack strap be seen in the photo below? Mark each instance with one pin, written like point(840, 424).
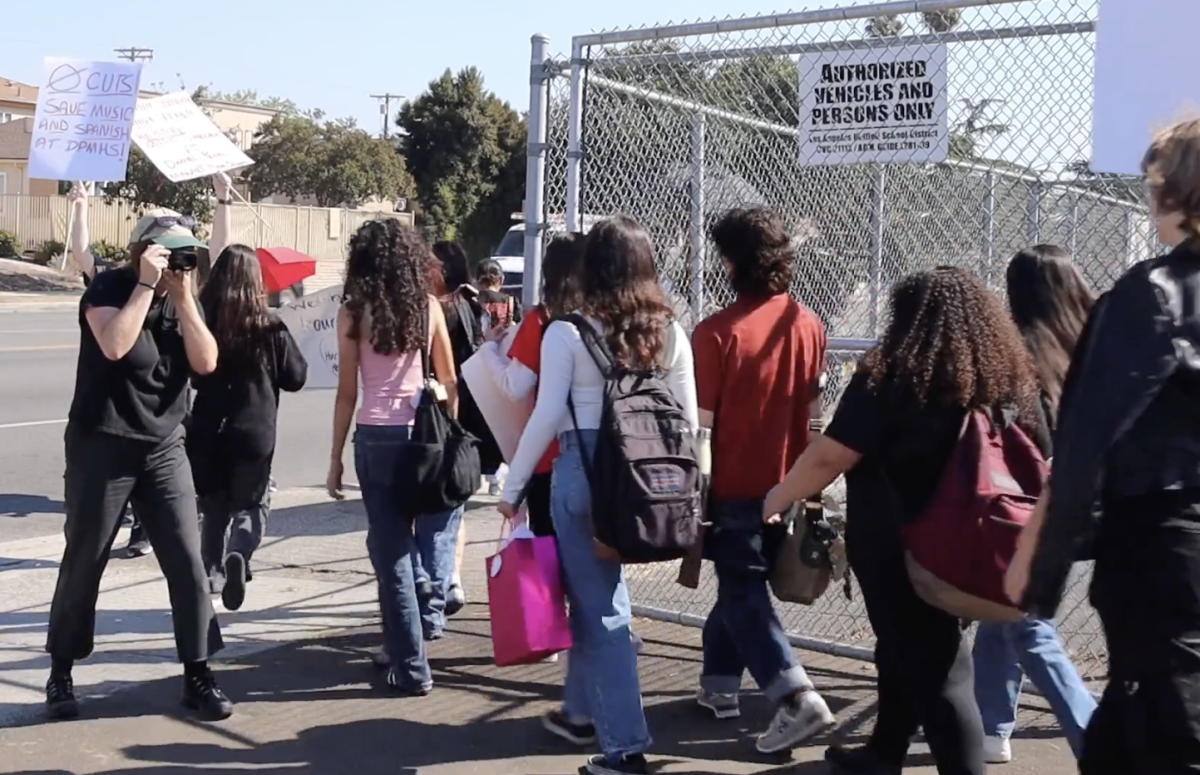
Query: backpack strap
point(425, 343)
point(595, 344)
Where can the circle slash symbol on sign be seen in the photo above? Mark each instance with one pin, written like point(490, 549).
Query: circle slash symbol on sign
point(66, 79)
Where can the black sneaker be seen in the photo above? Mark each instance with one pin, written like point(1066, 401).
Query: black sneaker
point(631, 764)
point(201, 694)
point(557, 723)
point(456, 600)
point(407, 690)
point(234, 593)
point(139, 544)
point(60, 697)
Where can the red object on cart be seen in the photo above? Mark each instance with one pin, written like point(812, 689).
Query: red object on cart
point(284, 267)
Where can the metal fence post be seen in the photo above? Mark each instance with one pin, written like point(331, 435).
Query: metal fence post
point(1074, 243)
point(989, 229)
point(875, 272)
point(696, 224)
point(1033, 225)
point(574, 137)
point(535, 170)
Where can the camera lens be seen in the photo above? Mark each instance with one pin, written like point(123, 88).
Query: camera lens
point(182, 260)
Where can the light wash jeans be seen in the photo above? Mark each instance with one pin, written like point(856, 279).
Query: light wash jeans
point(1004, 653)
point(602, 679)
point(392, 544)
point(433, 567)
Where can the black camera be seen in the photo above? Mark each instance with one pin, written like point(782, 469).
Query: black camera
point(182, 260)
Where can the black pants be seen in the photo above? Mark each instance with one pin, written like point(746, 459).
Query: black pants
point(103, 473)
point(1146, 589)
point(537, 503)
point(925, 675)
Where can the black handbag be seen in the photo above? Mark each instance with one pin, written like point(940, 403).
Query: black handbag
point(439, 464)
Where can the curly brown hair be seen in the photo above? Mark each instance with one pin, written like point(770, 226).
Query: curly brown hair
point(621, 290)
point(951, 342)
point(758, 247)
point(388, 279)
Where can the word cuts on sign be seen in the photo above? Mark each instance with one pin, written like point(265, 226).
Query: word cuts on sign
point(84, 116)
point(183, 142)
point(874, 106)
point(312, 321)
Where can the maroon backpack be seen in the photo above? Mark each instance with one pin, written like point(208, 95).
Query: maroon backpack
point(959, 547)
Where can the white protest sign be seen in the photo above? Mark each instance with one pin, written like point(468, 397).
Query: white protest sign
point(881, 105)
point(312, 321)
point(82, 124)
point(183, 142)
point(1144, 77)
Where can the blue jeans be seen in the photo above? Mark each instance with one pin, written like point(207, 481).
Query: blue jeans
point(391, 544)
point(602, 679)
point(433, 566)
point(743, 632)
point(1004, 653)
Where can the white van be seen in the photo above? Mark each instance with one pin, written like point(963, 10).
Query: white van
point(510, 253)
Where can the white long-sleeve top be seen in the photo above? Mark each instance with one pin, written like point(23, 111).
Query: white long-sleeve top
point(568, 369)
point(515, 379)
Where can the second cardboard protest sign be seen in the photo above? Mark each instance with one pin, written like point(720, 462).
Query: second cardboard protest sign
point(183, 142)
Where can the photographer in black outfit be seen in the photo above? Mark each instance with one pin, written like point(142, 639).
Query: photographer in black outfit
point(142, 335)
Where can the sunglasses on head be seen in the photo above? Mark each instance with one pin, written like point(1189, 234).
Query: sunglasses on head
point(168, 221)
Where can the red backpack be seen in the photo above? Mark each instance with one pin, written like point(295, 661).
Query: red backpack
point(959, 547)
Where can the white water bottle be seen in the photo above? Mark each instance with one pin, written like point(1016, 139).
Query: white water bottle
point(704, 451)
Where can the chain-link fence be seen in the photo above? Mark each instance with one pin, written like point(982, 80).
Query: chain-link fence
point(674, 125)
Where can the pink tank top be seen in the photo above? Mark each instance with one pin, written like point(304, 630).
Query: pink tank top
point(389, 383)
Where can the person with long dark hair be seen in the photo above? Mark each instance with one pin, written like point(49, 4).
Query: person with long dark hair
point(950, 348)
point(623, 302)
point(517, 375)
point(1128, 442)
point(1050, 302)
point(231, 432)
point(388, 327)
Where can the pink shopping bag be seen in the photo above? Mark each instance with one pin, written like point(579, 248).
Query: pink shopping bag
point(526, 600)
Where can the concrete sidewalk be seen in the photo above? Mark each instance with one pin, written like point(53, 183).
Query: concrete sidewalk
point(309, 701)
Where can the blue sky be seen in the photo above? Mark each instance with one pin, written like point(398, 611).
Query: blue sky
point(330, 55)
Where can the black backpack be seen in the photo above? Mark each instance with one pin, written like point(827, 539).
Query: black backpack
point(644, 474)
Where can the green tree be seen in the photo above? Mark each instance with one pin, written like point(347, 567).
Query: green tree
point(148, 188)
point(976, 125)
point(335, 163)
point(886, 26)
point(459, 140)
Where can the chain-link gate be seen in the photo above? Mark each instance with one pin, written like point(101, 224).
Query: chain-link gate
point(674, 125)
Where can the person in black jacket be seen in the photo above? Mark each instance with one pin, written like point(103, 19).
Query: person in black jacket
point(231, 435)
point(1129, 440)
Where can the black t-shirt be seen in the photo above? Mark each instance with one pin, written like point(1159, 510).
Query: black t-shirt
point(143, 395)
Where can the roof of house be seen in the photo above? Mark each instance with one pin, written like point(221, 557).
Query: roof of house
point(15, 91)
point(14, 139)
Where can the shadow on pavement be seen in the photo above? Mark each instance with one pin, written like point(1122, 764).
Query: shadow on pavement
point(21, 505)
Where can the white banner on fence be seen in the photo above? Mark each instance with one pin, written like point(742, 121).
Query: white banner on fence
point(881, 105)
point(1144, 64)
point(82, 124)
point(183, 142)
point(312, 321)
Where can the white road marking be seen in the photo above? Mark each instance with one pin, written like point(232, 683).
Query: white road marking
point(33, 424)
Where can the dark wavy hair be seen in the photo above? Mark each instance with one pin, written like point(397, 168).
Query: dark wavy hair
point(950, 342)
point(621, 290)
point(489, 274)
point(456, 267)
point(235, 305)
point(388, 281)
point(1050, 302)
point(758, 247)
point(562, 267)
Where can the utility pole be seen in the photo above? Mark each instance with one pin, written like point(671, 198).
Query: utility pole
point(135, 54)
point(385, 109)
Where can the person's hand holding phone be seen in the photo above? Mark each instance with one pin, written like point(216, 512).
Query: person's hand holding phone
point(496, 333)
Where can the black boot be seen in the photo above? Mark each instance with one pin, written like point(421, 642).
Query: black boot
point(201, 694)
point(236, 575)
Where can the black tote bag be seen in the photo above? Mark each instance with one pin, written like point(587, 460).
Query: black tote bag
point(440, 462)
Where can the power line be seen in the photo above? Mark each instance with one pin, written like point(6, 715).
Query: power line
point(135, 54)
point(385, 109)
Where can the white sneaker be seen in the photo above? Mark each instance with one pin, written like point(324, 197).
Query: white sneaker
point(997, 750)
point(796, 722)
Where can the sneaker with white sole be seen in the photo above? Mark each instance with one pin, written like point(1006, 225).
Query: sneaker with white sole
point(630, 764)
point(723, 706)
point(997, 750)
point(557, 724)
point(796, 721)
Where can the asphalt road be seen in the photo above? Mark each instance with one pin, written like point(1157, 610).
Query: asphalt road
point(38, 350)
